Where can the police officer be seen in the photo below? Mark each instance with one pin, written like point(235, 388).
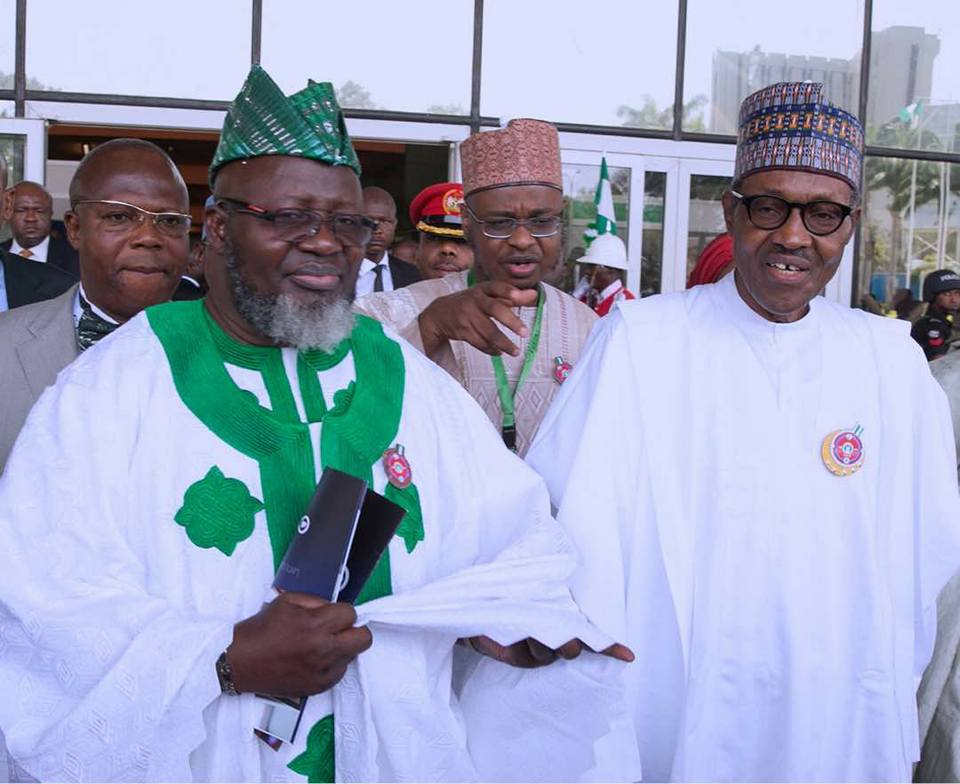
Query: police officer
point(934, 332)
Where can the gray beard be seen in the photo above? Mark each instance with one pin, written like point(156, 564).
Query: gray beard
point(322, 324)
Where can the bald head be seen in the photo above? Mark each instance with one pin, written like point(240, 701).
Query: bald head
point(125, 155)
point(30, 210)
point(129, 260)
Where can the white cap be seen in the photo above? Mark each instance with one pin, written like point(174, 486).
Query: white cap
point(608, 250)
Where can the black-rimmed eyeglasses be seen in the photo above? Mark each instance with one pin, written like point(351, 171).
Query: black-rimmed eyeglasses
point(539, 226)
point(119, 217)
point(294, 225)
point(771, 212)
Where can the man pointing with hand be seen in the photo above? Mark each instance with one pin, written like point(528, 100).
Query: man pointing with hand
point(509, 338)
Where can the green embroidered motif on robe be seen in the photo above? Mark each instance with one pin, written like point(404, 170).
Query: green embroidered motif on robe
point(218, 512)
point(356, 431)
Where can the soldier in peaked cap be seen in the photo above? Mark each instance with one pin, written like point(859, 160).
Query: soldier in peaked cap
point(137, 579)
point(509, 337)
point(934, 330)
point(442, 249)
point(783, 507)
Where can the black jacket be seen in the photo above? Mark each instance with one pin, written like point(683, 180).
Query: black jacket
point(30, 281)
point(60, 254)
point(403, 274)
point(934, 332)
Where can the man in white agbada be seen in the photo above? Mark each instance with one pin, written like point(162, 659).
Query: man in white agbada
point(154, 489)
point(783, 507)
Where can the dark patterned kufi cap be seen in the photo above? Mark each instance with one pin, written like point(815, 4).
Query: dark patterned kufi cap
point(789, 126)
point(263, 121)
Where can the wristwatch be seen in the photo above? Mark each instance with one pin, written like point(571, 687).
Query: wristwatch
point(225, 675)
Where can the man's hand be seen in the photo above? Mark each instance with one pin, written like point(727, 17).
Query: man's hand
point(469, 315)
point(530, 653)
point(295, 646)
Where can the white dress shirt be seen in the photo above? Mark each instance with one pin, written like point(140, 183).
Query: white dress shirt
point(39, 252)
point(367, 275)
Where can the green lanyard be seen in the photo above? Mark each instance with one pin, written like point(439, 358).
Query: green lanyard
point(508, 428)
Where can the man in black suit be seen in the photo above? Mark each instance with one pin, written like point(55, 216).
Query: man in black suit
point(378, 271)
point(23, 282)
point(30, 211)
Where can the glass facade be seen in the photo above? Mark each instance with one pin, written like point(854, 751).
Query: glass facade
point(391, 60)
point(606, 70)
point(727, 60)
point(610, 65)
point(181, 49)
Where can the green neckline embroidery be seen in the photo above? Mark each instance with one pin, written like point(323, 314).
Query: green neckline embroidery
point(360, 427)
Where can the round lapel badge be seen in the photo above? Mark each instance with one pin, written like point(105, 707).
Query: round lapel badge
point(397, 468)
point(842, 451)
point(561, 369)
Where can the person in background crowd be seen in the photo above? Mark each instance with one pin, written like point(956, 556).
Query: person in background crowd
point(192, 284)
point(934, 330)
point(905, 306)
point(23, 282)
point(441, 247)
point(507, 337)
point(779, 504)
point(608, 255)
point(379, 272)
point(157, 486)
point(715, 261)
point(30, 212)
point(129, 219)
point(405, 249)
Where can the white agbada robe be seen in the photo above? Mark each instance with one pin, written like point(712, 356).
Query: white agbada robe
point(781, 615)
point(112, 618)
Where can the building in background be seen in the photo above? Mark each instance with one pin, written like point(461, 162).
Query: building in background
point(74, 74)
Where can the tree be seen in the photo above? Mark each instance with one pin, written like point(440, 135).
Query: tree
point(650, 116)
point(355, 96)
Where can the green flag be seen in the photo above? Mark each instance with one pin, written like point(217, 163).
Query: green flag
point(606, 221)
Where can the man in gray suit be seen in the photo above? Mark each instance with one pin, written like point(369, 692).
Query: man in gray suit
point(129, 220)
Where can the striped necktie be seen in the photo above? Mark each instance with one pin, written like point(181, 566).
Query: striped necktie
point(26, 253)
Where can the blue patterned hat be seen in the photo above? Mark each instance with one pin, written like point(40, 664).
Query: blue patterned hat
point(789, 126)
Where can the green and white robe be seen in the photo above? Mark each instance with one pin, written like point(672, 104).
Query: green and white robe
point(143, 512)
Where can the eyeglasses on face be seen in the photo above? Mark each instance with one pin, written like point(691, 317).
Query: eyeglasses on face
point(539, 226)
point(771, 212)
point(294, 225)
point(120, 217)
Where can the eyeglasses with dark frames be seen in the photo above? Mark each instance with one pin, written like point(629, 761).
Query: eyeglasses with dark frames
point(539, 226)
point(293, 224)
point(771, 212)
point(122, 217)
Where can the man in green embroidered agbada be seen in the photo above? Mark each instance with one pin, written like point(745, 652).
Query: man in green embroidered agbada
point(137, 604)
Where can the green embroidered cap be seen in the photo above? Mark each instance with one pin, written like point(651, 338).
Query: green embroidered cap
point(263, 121)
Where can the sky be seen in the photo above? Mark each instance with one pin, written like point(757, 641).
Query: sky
point(562, 60)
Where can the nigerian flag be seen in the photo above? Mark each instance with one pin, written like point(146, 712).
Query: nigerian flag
point(910, 115)
point(606, 222)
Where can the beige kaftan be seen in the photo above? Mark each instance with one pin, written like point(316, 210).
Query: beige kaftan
point(566, 324)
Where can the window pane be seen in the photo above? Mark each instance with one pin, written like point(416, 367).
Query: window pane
point(706, 214)
point(179, 48)
point(8, 30)
point(914, 97)
point(911, 225)
point(736, 47)
point(580, 213)
point(609, 64)
point(414, 56)
point(655, 184)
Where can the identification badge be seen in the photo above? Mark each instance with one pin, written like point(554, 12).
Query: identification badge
point(561, 370)
point(397, 467)
point(842, 451)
